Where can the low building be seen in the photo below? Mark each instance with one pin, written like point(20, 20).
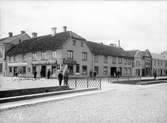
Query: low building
point(159, 64)
point(110, 59)
point(164, 54)
point(142, 62)
point(53, 52)
point(6, 44)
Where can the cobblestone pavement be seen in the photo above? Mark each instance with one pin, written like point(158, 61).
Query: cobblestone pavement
point(136, 104)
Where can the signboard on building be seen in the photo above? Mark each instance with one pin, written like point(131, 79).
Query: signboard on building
point(69, 62)
point(46, 62)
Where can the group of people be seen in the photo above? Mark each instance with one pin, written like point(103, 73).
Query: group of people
point(48, 74)
point(62, 76)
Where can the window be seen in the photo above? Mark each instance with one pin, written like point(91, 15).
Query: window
point(53, 69)
point(23, 57)
point(70, 54)
point(74, 42)
point(77, 68)
point(54, 54)
point(24, 70)
point(10, 69)
point(105, 70)
point(105, 59)
point(84, 56)
point(34, 56)
point(96, 69)
point(129, 62)
point(70, 68)
point(113, 60)
point(84, 70)
point(154, 62)
point(44, 55)
point(0, 67)
point(137, 63)
point(82, 44)
point(119, 60)
point(96, 58)
point(126, 61)
point(14, 58)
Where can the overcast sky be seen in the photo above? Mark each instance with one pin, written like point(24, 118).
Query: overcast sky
point(138, 25)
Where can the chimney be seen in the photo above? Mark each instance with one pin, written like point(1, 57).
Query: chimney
point(22, 32)
point(10, 34)
point(34, 35)
point(54, 31)
point(64, 28)
point(119, 43)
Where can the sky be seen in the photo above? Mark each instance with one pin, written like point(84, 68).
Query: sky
point(137, 24)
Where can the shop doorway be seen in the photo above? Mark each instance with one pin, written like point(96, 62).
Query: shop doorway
point(113, 71)
point(15, 71)
point(43, 71)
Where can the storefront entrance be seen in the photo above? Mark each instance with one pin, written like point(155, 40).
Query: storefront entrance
point(15, 71)
point(113, 71)
point(43, 71)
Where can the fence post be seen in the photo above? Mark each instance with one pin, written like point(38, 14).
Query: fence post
point(100, 83)
point(75, 83)
point(87, 83)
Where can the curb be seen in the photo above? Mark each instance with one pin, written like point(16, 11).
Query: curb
point(31, 96)
point(15, 104)
point(140, 81)
point(151, 82)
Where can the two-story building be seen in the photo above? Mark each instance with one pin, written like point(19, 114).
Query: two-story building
point(142, 62)
point(52, 52)
point(6, 44)
point(108, 60)
point(159, 64)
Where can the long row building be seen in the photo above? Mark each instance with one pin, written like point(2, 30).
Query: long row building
point(53, 52)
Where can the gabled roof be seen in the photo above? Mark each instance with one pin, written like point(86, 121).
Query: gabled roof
point(10, 39)
point(132, 53)
point(106, 50)
point(158, 56)
point(43, 43)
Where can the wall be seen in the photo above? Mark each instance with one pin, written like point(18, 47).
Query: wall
point(78, 54)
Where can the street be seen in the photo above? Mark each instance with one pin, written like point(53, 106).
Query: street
point(121, 104)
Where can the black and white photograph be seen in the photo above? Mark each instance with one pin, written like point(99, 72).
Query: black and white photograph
point(96, 61)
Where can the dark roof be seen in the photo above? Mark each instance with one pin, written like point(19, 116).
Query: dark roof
point(132, 52)
point(107, 50)
point(10, 39)
point(3, 39)
point(42, 43)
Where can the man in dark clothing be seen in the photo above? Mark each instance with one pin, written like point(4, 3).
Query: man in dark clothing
point(48, 74)
point(35, 74)
point(155, 74)
point(66, 77)
point(60, 78)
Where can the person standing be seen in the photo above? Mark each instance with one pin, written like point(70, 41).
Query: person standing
point(66, 77)
point(48, 74)
point(60, 77)
point(155, 74)
point(35, 74)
